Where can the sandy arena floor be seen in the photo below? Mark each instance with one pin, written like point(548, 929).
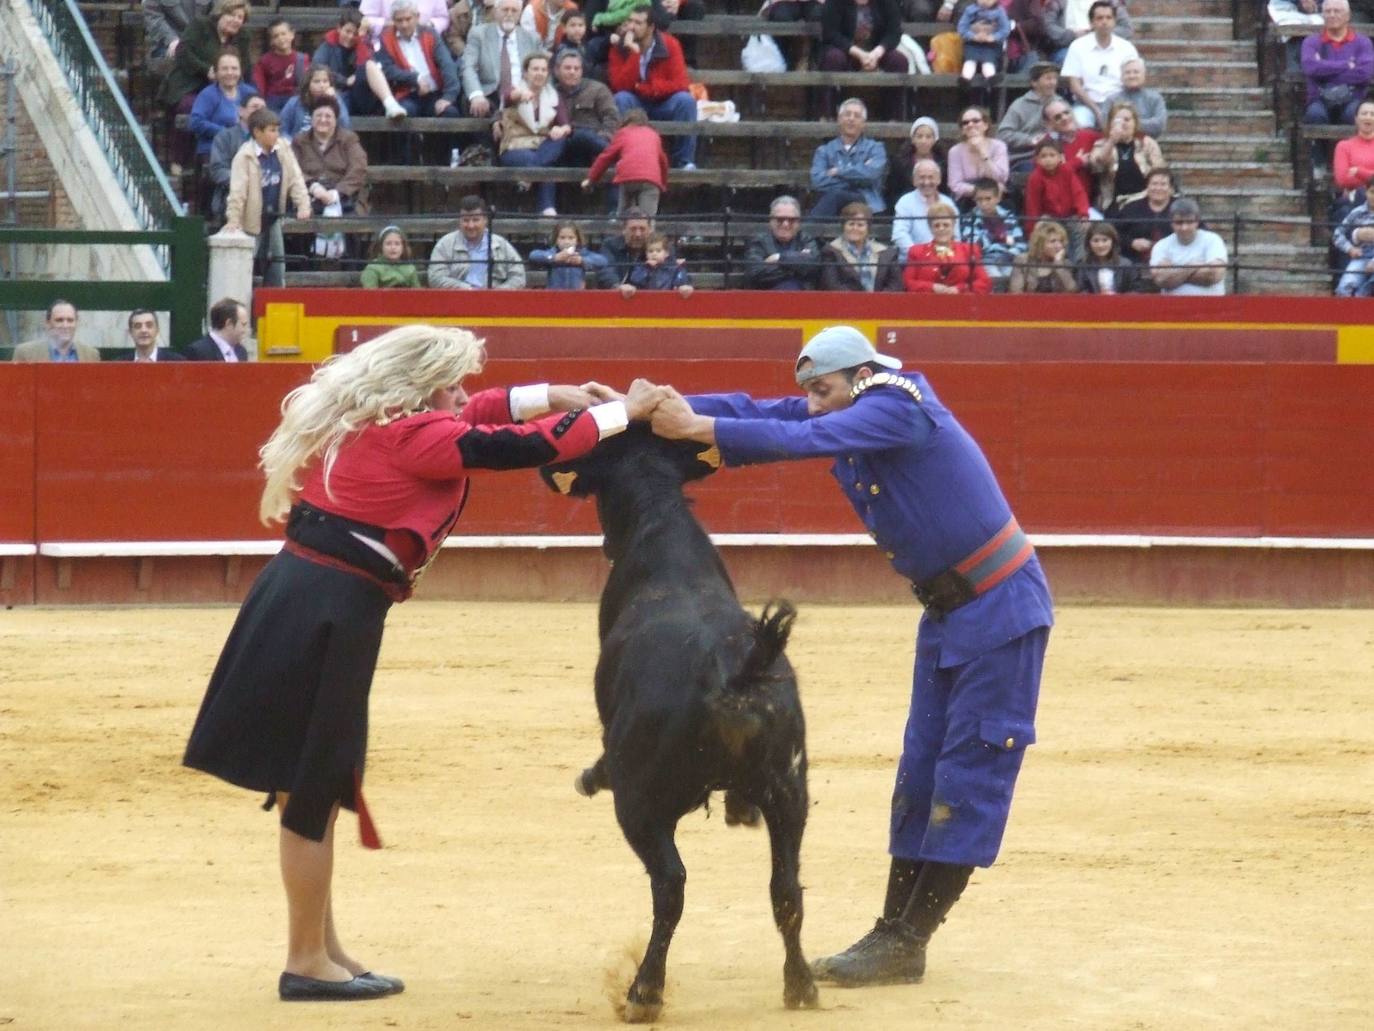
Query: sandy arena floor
point(1192, 844)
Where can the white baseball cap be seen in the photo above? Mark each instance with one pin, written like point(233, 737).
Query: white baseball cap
point(839, 347)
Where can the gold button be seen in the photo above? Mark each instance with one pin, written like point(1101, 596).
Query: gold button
point(858, 486)
point(850, 461)
point(873, 489)
point(1011, 742)
point(890, 554)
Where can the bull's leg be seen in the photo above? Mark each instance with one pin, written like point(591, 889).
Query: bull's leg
point(652, 840)
point(593, 778)
point(784, 810)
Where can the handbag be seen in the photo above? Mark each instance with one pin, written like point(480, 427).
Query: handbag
point(761, 53)
point(1336, 94)
point(330, 245)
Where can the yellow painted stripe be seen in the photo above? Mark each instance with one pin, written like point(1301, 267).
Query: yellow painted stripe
point(1355, 345)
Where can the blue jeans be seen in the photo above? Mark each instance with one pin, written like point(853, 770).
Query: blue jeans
point(829, 202)
point(1355, 281)
point(546, 155)
point(582, 146)
point(680, 107)
point(1320, 113)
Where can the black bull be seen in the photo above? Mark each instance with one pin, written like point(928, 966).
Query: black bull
point(694, 694)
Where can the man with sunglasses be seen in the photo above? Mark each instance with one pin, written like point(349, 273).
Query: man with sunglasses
point(782, 257)
point(1075, 142)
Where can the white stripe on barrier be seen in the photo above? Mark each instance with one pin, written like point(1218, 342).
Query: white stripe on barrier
point(144, 549)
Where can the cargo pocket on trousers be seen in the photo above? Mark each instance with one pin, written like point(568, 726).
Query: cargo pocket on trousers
point(1007, 735)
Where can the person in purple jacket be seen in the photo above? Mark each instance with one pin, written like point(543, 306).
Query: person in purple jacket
point(1338, 64)
point(926, 493)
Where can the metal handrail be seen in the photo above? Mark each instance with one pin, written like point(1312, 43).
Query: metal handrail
point(136, 169)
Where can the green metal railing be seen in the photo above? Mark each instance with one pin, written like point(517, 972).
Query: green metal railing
point(184, 294)
point(107, 113)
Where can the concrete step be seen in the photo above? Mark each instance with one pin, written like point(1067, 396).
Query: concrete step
point(1184, 48)
point(1211, 10)
point(1219, 202)
point(1287, 281)
point(1224, 146)
point(1168, 74)
point(1193, 174)
point(1253, 99)
point(1219, 123)
point(1149, 28)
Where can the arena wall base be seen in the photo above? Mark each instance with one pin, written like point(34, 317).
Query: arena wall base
point(1178, 575)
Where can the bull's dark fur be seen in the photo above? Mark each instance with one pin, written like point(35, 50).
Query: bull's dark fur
point(694, 694)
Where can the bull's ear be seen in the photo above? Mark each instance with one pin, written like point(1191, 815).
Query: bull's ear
point(710, 456)
point(564, 481)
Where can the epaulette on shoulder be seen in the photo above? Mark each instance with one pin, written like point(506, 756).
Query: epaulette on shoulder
point(386, 419)
point(886, 379)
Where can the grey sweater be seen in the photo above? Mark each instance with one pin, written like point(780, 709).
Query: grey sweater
point(1149, 108)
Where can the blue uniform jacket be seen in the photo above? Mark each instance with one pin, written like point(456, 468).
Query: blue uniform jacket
point(918, 481)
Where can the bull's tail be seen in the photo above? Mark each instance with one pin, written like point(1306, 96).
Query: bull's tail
point(734, 708)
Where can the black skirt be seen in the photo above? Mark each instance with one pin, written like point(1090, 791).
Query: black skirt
point(286, 709)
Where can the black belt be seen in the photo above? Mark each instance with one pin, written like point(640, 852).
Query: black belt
point(333, 535)
point(985, 567)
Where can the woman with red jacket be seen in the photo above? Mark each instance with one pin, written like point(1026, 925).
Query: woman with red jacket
point(641, 166)
point(369, 470)
point(945, 265)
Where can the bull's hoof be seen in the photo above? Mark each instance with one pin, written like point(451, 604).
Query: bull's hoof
point(801, 996)
point(642, 1012)
point(585, 782)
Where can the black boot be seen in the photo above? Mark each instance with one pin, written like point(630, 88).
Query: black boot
point(901, 879)
point(894, 952)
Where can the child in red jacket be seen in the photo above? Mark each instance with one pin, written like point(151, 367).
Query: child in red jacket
point(641, 165)
point(1054, 190)
point(278, 74)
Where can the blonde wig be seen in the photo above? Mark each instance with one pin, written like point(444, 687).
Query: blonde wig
point(395, 373)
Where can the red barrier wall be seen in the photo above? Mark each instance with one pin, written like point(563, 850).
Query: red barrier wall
point(125, 452)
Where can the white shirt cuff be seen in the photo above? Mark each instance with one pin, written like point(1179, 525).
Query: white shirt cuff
point(611, 417)
point(529, 402)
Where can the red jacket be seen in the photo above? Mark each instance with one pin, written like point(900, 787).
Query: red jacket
point(667, 70)
point(1058, 196)
point(963, 269)
point(638, 153)
point(279, 75)
point(428, 41)
point(411, 475)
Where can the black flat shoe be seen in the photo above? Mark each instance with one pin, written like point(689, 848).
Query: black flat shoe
point(296, 988)
point(395, 986)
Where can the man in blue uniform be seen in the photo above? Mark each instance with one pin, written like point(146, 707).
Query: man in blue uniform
point(925, 492)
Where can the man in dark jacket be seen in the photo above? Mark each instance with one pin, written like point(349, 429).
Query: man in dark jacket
point(782, 258)
point(624, 252)
point(591, 110)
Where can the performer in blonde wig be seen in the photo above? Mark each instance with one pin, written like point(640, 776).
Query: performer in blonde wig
point(369, 470)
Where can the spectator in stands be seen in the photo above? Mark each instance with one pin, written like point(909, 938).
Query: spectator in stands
point(1191, 260)
point(460, 23)
point(922, 145)
point(58, 342)
point(791, 11)
point(1055, 192)
point(782, 257)
point(574, 37)
point(345, 51)
point(417, 66)
point(647, 70)
point(625, 251)
point(318, 84)
point(228, 329)
point(1354, 162)
point(222, 151)
point(1338, 65)
point(995, 229)
point(658, 270)
point(568, 260)
point(1149, 104)
point(1092, 66)
point(193, 66)
point(332, 160)
point(909, 220)
point(854, 261)
point(1076, 143)
point(146, 336)
point(641, 164)
point(1044, 268)
point(945, 265)
point(1123, 159)
point(1104, 269)
point(1354, 238)
point(164, 21)
point(281, 70)
point(976, 156)
point(591, 110)
point(496, 52)
point(544, 18)
point(533, 128)
point(606, 16)
point(473, 257)
point(263, 179)
point(1064, 21)
point(1028, 42)
point(217, 106)
point(1024, 120)
point(378, 15)
point(1143, 223)
point(861, 35)
point(984, 28)
point(391, 266)
point(849, 168)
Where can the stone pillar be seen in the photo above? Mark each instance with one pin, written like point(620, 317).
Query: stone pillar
point(231, 273)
